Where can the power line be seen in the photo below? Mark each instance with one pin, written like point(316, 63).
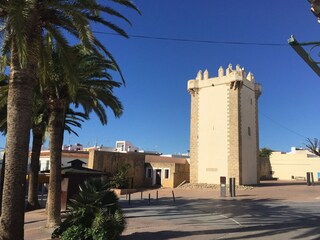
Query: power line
point(283, 126)
point(198, 41)
point(215, 42)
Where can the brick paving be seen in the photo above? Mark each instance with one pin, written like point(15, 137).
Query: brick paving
point(274, 210)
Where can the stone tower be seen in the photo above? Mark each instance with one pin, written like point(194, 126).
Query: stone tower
point(224, 134)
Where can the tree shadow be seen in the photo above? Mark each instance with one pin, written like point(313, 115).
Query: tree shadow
point(231, 218)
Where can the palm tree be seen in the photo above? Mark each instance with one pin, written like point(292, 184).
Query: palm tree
point(39, 126)
point(93, 91)
point(23, 23)
point(40, 123)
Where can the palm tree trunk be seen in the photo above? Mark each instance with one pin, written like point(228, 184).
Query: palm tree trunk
point(1, 180)
point(55, 128)
point(33, 202)
point(18, 126)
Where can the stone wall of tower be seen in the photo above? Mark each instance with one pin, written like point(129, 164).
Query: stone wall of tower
point(224, 126)
point(234, 133)
point(194, 137)
point(257, 95)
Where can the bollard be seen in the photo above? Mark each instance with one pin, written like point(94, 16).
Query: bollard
point(126, 194)
point(129, 199)
point(149, 200)
point(42, 186)
point(157, 195)
point(174, 199)
point(223, 188)
point(308, 179)
point(230, 187)
point(233, 187)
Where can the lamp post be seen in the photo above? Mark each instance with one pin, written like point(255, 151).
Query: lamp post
point(304, 55)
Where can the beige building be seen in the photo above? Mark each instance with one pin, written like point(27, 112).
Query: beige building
point(294, 164)
point(166, 171)
point(224, 126)
point(145, 170)
point(109, 162)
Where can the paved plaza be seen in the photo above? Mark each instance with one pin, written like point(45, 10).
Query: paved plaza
point(274, 210)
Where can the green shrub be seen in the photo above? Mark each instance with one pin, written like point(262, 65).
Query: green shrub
point(94, 214)
point(77, 232)
point(120, 179)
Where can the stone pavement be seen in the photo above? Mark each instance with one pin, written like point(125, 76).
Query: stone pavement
point(274, 210)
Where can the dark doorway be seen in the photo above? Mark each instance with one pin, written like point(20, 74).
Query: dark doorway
point(158, 177)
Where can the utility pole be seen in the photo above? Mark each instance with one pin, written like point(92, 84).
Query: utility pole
point(298, 47)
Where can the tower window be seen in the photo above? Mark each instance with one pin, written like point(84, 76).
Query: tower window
point(249, 131)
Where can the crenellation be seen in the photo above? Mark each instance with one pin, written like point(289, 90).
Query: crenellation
point(199, 75)
point(220, 72)
point(229, 70)
point(206, 75)
point(250, 77)
point(243, 73)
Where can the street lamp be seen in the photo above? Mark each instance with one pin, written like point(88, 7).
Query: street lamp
point(315, 8)
point(304, 55)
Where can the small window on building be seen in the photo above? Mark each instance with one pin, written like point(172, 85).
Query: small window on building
point(251, 101)
point(149, 173)
point(249, 131)
point(166, 173)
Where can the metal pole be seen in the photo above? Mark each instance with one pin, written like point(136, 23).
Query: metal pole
point(149, 200)
point(303, 54)
point(308, 179)
point(230, 187)
point(42, 186)
point(233, 187)
point(129, 199)
point(174, 199)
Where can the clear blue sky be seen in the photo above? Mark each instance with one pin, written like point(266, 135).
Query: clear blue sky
point(156, 101)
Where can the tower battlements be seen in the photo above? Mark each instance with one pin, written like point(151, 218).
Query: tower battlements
point(227, 76)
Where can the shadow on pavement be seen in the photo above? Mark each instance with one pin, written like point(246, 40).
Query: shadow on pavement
point(256, 218)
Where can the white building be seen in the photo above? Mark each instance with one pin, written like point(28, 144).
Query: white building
point(126, 146)
point(66, 156)
point(76, 147)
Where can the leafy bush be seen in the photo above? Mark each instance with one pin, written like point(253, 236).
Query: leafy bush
point(94, 214)
point(120, 179)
